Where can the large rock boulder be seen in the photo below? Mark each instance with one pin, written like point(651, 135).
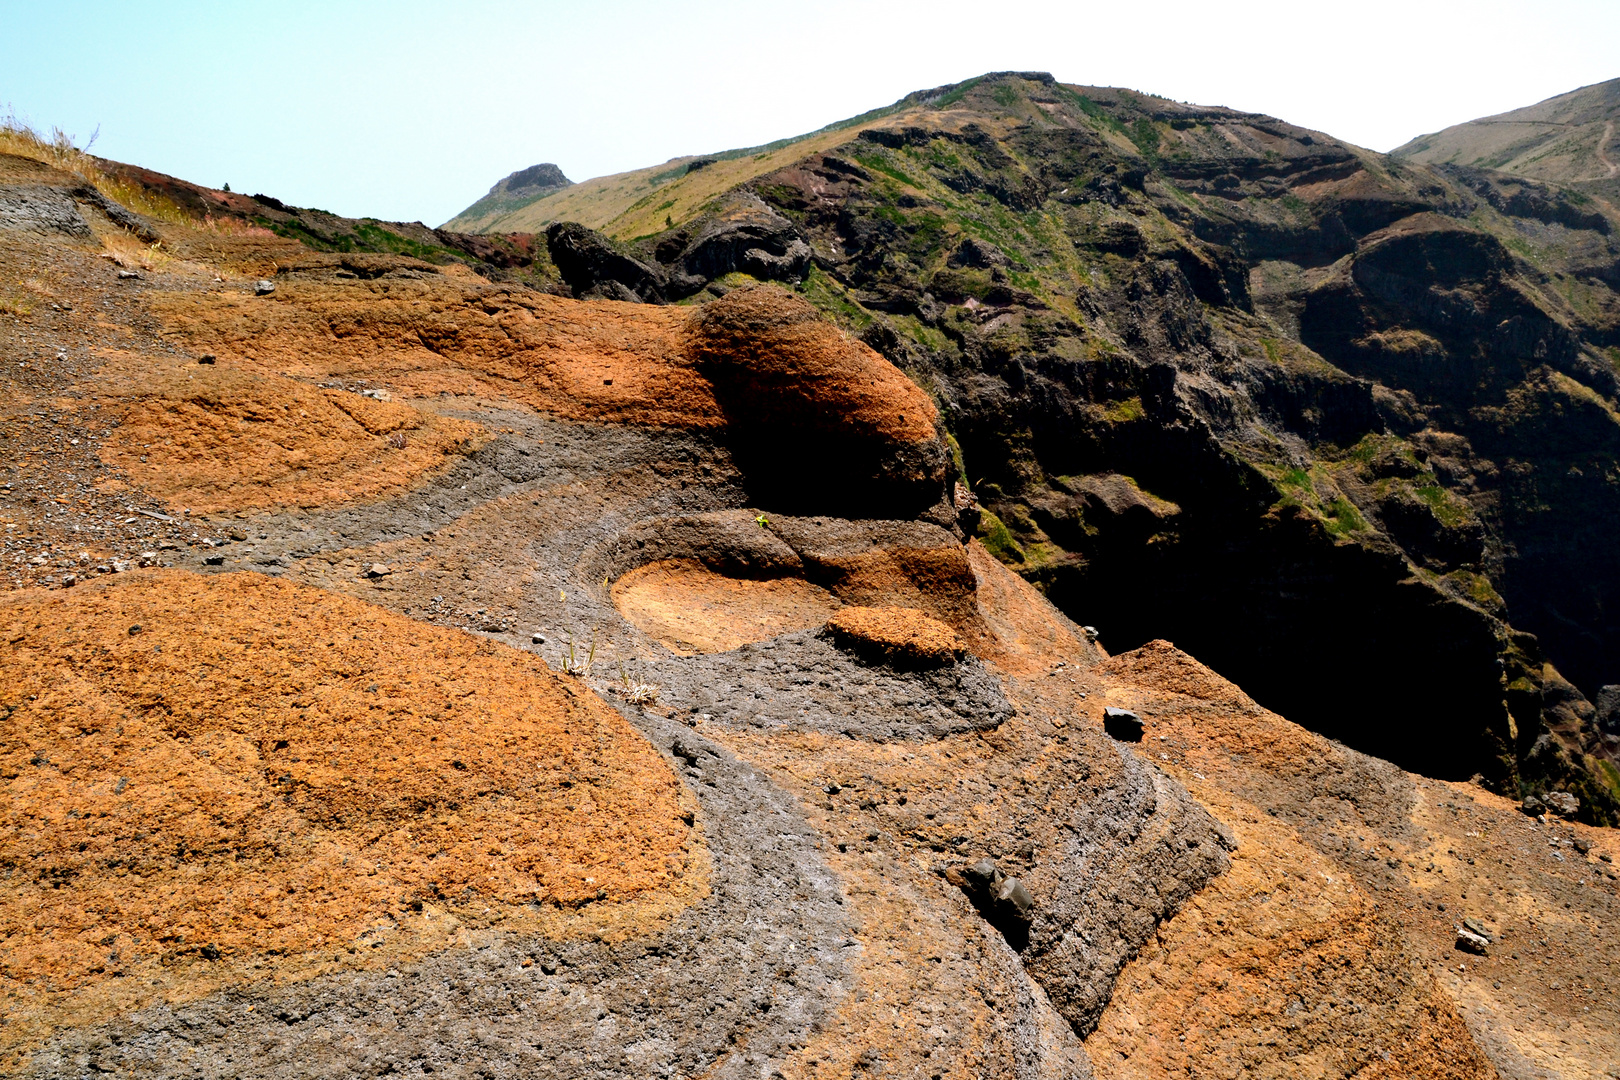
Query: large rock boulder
point(596, 270)
point(816, 420)
point(744, 235)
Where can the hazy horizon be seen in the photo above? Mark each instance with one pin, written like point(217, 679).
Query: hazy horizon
point(410, 111)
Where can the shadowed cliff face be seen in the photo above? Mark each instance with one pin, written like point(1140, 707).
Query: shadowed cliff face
point(1344, 427)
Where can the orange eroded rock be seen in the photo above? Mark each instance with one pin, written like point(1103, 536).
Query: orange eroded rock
point(902, 635)
point(1022, 632)
point(782, 362)
point(431, 333)
point(1287, 965)
point(807, 411)
point(1239, 981)
point(688, 608)
point(220, 440)
point(228, 768)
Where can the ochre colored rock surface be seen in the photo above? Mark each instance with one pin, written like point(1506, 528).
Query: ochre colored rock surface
point(794, 369)
point(215, 440)
point(589, 360)
point(691, 609)
point(247, 769)
point(429, 333)
point(791, 392)
point(899, 635)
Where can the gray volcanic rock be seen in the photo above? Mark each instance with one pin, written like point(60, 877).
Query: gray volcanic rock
point(39, 209)
point(803, 682)
point(743, 234)
point(535, 180)
point(595, 269)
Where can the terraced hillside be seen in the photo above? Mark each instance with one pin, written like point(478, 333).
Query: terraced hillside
point(409, 670)
point(1203, 369)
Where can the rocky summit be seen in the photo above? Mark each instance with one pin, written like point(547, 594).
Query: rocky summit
point(1033, 581)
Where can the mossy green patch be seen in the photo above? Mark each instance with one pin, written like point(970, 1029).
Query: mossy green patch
point(958, 460)
point(1146, 135)
point(833, 300)
point(879, 164)
point(997, 539)
point(1342, 518)
point(1478, 588)
point(945, 101)
point(1124, 411)
point(1447, 508)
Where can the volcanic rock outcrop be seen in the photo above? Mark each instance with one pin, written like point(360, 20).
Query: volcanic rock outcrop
point(1330, 381)
point(410, 672)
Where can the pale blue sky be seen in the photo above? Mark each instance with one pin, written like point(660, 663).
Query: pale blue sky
point(411, 110)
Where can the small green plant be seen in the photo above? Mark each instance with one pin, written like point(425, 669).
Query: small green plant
point(762, 521)
point(576, 665)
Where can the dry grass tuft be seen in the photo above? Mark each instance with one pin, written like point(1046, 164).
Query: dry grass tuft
point(59, 150)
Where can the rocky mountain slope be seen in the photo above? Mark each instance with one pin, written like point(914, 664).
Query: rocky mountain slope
point(409, 670)
point(514, 192)
point(1312, 412)
point(1568, 139)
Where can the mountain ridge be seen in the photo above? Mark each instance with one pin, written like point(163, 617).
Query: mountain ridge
point(1371, 345)
point(1567, 139)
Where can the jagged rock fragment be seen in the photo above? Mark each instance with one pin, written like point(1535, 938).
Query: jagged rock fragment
point(1122, 724)
point(1562, 803)
point(1473, 937)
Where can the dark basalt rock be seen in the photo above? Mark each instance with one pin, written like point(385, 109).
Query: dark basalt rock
point(595, 269)
point(1122, 724)
point(744, 235)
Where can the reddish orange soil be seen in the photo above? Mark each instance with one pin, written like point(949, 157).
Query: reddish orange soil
point(220, 440)
point(689, 608)
point(902, 634)
point(235, 766)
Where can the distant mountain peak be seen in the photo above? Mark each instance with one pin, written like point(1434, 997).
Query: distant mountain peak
point(532, 181)
point(519, 189)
